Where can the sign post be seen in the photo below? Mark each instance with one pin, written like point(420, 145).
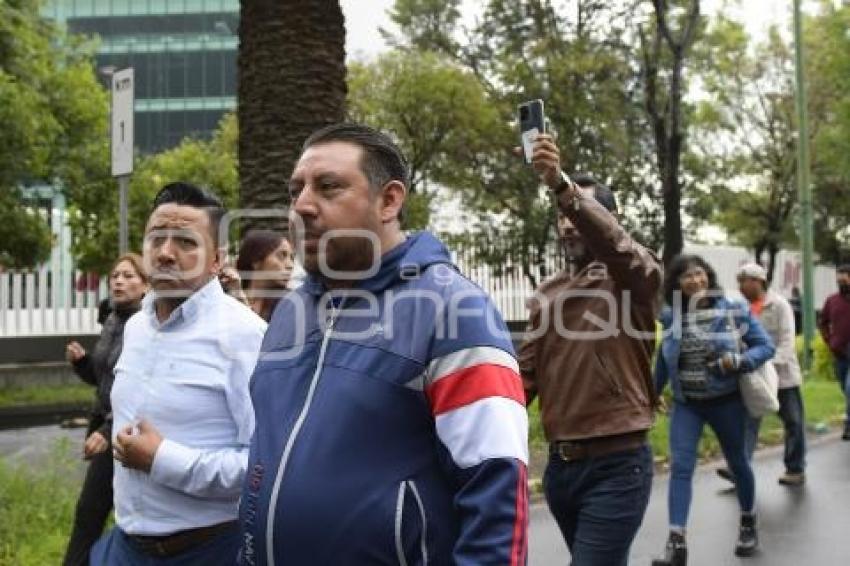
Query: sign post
point(122, 145)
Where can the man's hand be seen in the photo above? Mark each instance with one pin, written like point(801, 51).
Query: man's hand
point(545, 160)
point(136, 449)
point(231, 282)
point(74, 352)
point(95, 444)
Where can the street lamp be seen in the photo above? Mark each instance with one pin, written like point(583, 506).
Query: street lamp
point(805, 190)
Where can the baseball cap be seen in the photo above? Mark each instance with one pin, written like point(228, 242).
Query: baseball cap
point(752, 270)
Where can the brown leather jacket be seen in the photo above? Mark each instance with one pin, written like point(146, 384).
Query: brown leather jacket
point(584, 354)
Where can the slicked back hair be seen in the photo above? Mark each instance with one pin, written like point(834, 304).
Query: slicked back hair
point(186, 194)
point(382, 162)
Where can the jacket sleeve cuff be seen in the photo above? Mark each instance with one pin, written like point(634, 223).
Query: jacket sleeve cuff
point(171, 463)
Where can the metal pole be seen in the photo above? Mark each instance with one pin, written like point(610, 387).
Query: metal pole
point(805, 190)
point(123, 187)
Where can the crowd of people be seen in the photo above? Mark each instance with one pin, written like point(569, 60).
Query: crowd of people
point(375, 413)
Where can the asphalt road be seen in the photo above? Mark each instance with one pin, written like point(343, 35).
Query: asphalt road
point(807, 526)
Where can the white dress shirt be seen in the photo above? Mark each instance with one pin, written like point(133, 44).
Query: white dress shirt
point(188, 376)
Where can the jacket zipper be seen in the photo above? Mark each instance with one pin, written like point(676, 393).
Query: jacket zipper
point(293, 436)
point(399, 513)
point(615, 385)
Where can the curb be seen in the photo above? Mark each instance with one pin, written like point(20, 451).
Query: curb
point(22, 416)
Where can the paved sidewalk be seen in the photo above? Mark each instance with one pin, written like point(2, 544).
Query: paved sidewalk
point(808, 526)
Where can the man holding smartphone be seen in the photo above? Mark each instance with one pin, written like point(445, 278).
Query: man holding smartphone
point(587, 357)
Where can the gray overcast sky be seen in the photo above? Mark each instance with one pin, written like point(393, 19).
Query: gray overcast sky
point(364, 17)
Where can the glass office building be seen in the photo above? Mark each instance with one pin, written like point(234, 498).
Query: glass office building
point(183, 53)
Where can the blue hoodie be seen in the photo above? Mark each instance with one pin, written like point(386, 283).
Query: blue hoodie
point(391, 425)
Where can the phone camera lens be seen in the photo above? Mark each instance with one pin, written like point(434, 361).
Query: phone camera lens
point(523, 113)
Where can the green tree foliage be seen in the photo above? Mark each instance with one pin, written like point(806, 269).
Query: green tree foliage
point(747, 133)
point(828, 79)
point(577, 63)
point(438, 112)
point(53, 115)
point(93, 218)
point(748, 121)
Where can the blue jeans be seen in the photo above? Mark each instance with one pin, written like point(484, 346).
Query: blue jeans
point(728, 419)
point(115, 548)
point(793, 421)
point(599, 503)
point(842, 369)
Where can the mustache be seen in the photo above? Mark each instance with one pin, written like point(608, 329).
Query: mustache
point(165, 273)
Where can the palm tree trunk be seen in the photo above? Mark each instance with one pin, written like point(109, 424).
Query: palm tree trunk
point(291, 82)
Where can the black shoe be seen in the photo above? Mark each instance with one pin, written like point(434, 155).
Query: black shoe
point(846, 435)
point(748, 538)
point(726, 474)
point(675, 552)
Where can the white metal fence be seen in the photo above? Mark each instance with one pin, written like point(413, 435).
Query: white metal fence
point(507, 286)
point(49, 301)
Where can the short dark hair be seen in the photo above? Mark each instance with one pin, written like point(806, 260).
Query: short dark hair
point(678, 266)
point(186, 194)
point(255, 247)
point(601, 192)
point(383, 161)
point(843, 268)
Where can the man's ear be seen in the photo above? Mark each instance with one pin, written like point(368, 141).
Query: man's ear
point(220, 258)
point(392, 200)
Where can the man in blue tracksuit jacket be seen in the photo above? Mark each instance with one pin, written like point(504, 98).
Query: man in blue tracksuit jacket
point(391, 426)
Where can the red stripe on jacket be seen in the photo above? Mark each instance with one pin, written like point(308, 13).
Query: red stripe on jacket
point(472, 384)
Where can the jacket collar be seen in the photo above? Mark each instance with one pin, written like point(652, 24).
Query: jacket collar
point(407, 260)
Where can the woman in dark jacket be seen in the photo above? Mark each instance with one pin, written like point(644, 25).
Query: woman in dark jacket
point(708, 342)
point(127, 285)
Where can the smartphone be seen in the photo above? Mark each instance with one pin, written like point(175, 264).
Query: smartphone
point(532, 122)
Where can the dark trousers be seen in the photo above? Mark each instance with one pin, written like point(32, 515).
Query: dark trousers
point(793, 420)
point(842, 370)
point(118, 549)
point(92, 510)
point(599, 503)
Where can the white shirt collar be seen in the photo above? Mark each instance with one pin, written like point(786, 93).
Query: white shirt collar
point(189, 309)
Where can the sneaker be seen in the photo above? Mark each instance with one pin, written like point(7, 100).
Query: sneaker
point(726, 474)
point(748, 538)
point(675, 552)
point(791, 478)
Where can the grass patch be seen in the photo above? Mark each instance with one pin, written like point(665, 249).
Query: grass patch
point(37, 507)
point(46, 394)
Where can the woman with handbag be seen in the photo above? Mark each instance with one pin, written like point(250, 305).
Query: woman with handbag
point(709, 343)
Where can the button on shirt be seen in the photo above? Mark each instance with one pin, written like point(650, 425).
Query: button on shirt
point(188, 376)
